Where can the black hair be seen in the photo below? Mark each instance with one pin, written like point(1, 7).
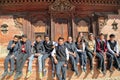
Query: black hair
point(24, 36)
point(38, 36)
point(16, 36)
point(60, 38)
point(112, 36)
point(101, 34)
point(46, 35)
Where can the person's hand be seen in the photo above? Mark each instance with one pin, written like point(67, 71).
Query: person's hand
point(116, 54)
point(65, 65)
point(37, 54)
point(33, 44)
point(94, 53)
point(12, 56)
point(13, 45)
point(55, 60)
point(53, 46)
point(74, 54)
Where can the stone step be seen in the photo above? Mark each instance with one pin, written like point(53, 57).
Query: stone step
point(70, 74)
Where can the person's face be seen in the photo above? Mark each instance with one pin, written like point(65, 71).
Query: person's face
point(24, 39)
point(102, 37)
point(15, 39)
point(38, 39)
point(61, 42)
point(91, 37)
point(69, 39)
point(47, 39)
point(112, 38)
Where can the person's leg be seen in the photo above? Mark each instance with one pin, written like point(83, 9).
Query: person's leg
point(12, 61)
point(116, 62)
point(77, 58)
point(110, 61)
point(81, 60)
point(24, 58)
point(30, 66)
point(90, 56)
point(64, 70)
point(18, 65)
point(30, 63)
point(40, 65)
point(85, 60)
point(100, 61)
point(6, 66)
point(53, 67)
point(45, 56)
point(73, 62)
point(58, 70)
point(103, 64)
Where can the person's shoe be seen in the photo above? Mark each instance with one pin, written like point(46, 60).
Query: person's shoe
point(111, 71)
point(28, 74)
point(18, 75)
point(104, 72)
point(4, 74)
point(10, 73)
point(44, 72)
point(84, 69)
point(53, 75)
point(100, 70)
point(40, 75)
point(91, 71)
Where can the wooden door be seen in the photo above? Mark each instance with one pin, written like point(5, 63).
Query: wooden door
point(61, 29)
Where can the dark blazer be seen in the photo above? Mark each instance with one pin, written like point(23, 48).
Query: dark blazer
point(27, 47)
point(13, 50)
point(71, 47)
point(98, 49)
point(39, 47)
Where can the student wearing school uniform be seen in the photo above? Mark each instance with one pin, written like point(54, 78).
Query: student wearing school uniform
point(24, 54)
point(13, 48)
point(49, 46)
point(74, 58)
point(37, 52)
point(103, 53)
point(113, 49)
point(80, 44)
point(61, 57)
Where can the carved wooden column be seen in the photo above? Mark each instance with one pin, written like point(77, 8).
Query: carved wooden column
point(73, 28)
point(52, 27)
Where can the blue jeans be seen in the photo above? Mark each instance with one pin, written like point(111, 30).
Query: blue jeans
point(83, 58)
point(60, 68)
point(39, 62)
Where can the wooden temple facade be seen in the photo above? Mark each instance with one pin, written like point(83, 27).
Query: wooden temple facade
point(57, 17)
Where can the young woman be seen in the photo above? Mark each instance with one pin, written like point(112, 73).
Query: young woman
point(80, 44)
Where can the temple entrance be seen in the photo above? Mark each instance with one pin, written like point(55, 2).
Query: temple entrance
point(60, 28)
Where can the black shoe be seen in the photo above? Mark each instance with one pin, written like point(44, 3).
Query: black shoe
point(17, 75)
point(4, 74)
point(10, 73)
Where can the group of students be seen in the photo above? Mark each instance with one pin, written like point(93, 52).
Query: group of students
point(62, 53)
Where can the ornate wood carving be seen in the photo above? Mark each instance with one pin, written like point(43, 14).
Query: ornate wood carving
point(61, 6)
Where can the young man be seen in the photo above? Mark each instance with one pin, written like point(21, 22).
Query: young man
point(113, 49)
point(61, 57)
point(13, 48)
point(24, 53)
point(37, 51)
point(49, 46)
point(74, 58)
point(101, 49)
